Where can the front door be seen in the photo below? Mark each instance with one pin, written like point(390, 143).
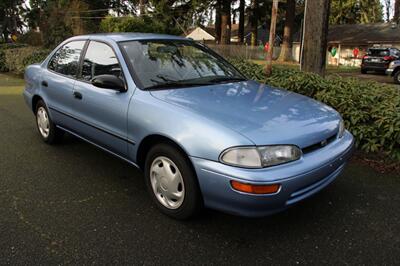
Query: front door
point(102, 113)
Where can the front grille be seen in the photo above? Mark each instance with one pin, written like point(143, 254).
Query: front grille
point(319, 145)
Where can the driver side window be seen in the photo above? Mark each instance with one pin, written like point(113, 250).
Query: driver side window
point(100, 59)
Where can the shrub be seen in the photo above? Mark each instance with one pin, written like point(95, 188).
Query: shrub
point(3, 48)
point(371, 110)
point(17, 59)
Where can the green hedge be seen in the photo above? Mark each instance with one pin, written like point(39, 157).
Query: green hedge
point(15, 58)
point(371, 110)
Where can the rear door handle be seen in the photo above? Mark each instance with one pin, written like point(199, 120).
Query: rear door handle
point(78, 95)
point(44, 83)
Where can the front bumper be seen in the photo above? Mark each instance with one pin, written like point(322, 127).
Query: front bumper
point(298, 180)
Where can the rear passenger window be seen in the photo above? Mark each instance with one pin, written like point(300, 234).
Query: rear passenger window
point(66, 60)
point(100, 59)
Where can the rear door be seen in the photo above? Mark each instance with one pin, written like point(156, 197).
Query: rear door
point(58, 81)
point(101, 114)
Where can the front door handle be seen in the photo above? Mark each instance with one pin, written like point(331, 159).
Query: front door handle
point(44, 83)
point(78, 95)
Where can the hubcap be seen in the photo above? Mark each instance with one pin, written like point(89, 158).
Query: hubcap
point(43, 122)
point(167, 182)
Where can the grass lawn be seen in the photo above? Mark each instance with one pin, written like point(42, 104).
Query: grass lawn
point(10, 84)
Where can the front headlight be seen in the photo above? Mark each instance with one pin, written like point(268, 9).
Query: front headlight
point(391, 64)
point(342, 128)
point(259, 157)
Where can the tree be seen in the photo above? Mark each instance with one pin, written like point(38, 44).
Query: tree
point(286, 48)
point(218, 7)
point(315, 36)
point(253, 21)
point(226, 22)
point(241, 21)
point(274, 15)
point(355, 11)
point(10, 17)
point(396, 16)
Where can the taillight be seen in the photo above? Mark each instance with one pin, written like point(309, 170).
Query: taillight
point(388, 58)
point(365, 56)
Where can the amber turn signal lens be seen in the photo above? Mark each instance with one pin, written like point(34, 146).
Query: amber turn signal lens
point(255, 189)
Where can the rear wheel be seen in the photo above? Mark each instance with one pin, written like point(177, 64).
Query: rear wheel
point(47, 129)
point(396, 77)
point(363, 71)
point(171, 182)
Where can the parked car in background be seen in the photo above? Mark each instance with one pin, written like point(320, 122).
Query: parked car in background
point(378, 59)
point(394, 71)
point(203, 134)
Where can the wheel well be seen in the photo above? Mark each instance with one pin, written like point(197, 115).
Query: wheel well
point(35, 100)
point(148, 142)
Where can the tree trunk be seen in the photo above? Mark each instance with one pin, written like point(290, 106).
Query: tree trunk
point(142, 7)
point(396, 11)
point(270, 52)
point(218, 7)
point(286, 48)
point(316, 23)
point(241, 21)
point(254, 22)
point(225, 22)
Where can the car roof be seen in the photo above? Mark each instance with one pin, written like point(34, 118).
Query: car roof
point(130, 36)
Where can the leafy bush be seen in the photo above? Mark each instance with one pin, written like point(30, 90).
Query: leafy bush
point(136, 24)
point(371, 110)
point(17, 59)
point(36, 57)
point(3, 48)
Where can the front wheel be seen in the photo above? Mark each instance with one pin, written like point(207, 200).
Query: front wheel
point(47, 129)
point(396, 77)
point(172, 182)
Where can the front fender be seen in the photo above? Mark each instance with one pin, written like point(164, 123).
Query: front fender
point(196, 135)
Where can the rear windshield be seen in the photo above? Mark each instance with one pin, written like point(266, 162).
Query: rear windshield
point(378, 52)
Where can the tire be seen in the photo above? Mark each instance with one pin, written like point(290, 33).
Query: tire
point(363, 71)
point(172, 183)
point(47, 129)
point(396, 77)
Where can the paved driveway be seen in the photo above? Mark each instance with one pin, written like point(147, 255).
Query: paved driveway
point(73, 204)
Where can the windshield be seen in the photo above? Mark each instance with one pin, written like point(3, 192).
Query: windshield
point(171, 63)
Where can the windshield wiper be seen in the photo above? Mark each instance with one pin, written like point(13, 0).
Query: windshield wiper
point(176, 84)
point(226, 79)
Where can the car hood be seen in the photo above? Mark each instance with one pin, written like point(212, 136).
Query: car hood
point(263, 114)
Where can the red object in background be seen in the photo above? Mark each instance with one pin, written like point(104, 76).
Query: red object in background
point(266, 47)
point(356, 51)
point(388, 58)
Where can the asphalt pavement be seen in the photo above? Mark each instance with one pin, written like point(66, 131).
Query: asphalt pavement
point(74, 204)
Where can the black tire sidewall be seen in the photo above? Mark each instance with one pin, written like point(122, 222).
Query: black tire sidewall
point(396, 77)
point(192, 202)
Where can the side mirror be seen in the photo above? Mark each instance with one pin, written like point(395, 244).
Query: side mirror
point(109, 82)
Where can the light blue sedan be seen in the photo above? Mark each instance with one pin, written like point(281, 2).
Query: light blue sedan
point(203, 134)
